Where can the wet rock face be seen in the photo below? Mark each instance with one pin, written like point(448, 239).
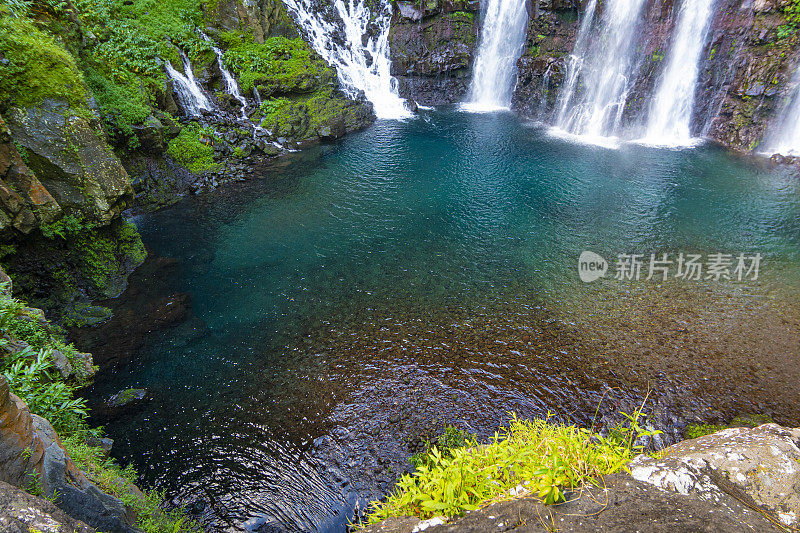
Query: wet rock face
point(761, 464)
point(24, 202)
point(753, 67)
point(433, 48)
point(71, 158)
point(744, 78)
point(21, 512)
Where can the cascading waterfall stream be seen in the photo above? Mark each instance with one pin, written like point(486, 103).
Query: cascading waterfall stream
point(189, 92)
point(670, 114)
point(786, 139)
point(495, 69)
point(231, 87)
point(603, 65)
point(362, 65)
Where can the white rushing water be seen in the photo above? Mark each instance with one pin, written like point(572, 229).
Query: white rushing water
point(231, 87)
point(501, 44)
point(189, 92)
point(786, 137)
point(362, 62)
point(599, 74)
point(670, 115)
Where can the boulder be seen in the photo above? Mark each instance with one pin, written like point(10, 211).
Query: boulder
point(21, 512)
point(21, 449)
point(24, 201)
point(68, 153)
point(759, 466)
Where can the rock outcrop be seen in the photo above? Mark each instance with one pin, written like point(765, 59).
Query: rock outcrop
point(32, 457)
point(760, 466)
point(67, 151)
point(21, 512)
point(432, 49)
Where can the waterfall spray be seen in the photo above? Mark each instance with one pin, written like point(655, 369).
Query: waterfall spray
point(189, 92)
point(362, 57)
point(495, 70)
point(670, 114)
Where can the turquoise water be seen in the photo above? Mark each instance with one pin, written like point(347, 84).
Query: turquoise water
point(324, 286)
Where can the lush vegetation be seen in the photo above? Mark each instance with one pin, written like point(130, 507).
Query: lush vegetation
point(543, 457)
point(36, 67)
point(278, 65)
point(32, 376)
point(194, 148)
point(792, 14)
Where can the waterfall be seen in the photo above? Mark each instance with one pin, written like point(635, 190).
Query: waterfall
point(600, 67)
point(670, 115)
point(361, 57)
point(231, 87)
point(189, 92)
point(495, 69)
point(786, 139)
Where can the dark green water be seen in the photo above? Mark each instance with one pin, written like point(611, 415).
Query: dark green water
point(345, 279)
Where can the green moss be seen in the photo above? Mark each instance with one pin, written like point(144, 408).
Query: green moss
point(193, 148)
point(37, 67)
point(695, 431)
point(280, 64)
point(103, 257)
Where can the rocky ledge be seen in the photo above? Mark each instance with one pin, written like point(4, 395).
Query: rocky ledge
point(738, 479)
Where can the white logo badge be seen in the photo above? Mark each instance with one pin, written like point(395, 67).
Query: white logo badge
point(591, 266)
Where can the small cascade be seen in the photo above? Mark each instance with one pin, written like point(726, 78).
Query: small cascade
point(361, 57)
point(670, 114)
point(495, 69)
point(256, 96)
point(786, 139)
point(189, 92)
point(231, 87)
point(601, 67)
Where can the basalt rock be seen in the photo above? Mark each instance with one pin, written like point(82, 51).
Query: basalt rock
point(21, 512)
point(432, 50)
point(760, 466)
point(68, 153)
point(31, 456)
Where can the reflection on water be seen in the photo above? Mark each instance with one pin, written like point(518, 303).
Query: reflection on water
point(416, 274)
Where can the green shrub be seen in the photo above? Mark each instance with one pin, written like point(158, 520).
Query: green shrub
point(117, 481)
point(32, 377)
point(545, 457)
point(193, 148)
point(64, 227)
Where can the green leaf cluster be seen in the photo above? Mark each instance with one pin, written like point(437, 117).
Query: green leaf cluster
point(544, 457)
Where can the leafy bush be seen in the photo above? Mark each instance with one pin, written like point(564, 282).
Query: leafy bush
point(32, 377)
point(117, 481)
point(65, 226)
point(546, 457)
point(193, 148)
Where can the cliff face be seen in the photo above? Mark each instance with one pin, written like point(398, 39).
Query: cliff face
point(745, 70)
point(433, 48)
